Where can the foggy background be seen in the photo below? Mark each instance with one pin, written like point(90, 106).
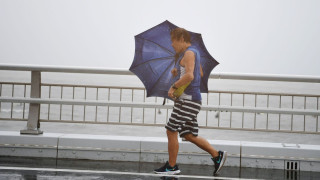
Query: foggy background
point(245, 36)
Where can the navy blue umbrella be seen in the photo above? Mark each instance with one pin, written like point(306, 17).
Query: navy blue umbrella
point(155, 58)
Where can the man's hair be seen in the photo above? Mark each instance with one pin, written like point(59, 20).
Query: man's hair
point(177, 33)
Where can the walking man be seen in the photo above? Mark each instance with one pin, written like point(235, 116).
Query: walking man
point(183, 119)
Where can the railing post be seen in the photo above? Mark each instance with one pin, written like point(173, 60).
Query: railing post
point(33, 124)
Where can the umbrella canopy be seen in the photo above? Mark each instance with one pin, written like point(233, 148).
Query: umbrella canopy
point(155, 58)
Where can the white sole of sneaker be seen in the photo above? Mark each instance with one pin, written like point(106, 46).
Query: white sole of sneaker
point(168, 172)
point(224, 158)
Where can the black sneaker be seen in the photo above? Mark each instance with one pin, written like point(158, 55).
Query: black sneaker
point(219, 161)
point(167, 169)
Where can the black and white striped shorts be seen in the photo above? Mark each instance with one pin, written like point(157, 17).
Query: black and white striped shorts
point(184, 117)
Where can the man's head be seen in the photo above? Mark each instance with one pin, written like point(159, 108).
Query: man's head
point(180, 38)
point(178, 33)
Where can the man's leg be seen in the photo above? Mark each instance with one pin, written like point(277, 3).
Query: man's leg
point(173, 147)
point(202, 143)
point(218, 157)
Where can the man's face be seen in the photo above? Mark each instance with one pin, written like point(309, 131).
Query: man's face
point(177, 44)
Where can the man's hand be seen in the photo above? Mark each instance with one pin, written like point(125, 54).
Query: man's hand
point(170, 93)
point(174, 72)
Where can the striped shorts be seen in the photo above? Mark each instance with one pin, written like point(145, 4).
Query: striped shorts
point(184, 117)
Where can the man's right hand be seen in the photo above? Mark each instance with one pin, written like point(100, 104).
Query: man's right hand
point(174, 72)
point(170, 93)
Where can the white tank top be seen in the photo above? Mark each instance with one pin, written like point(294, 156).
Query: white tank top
point(184, 95)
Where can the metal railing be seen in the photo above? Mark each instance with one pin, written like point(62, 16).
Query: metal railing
point(225, 109)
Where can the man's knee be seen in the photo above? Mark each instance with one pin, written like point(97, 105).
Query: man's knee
point(189, 137)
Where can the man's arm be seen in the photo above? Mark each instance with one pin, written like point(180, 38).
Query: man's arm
point(188, 63)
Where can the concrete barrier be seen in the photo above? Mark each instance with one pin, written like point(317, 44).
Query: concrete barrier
point(278, 155)
point(98, 147)
point(154, 149)
point(14, 144)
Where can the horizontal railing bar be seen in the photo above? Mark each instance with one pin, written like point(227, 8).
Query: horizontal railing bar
point(262, 110)
point(64, 69)
point(95, 70)
point(153, 105)
point(15, 83)
point(141, 88)
point(263, 93)
point(259, 129)
point(105, 122)
point(210, 91)
point(263, 77)
point(84, 102)
point(93, 86)
point(14, 119)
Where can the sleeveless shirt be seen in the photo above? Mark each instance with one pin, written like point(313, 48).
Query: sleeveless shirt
point(192, 92)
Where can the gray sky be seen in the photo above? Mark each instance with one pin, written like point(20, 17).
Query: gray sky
point(245, 36)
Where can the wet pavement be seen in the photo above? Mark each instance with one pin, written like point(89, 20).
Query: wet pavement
point(46, 168)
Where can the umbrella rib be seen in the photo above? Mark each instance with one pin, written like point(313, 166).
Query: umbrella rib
point(152, 60)
point(156, 44)
point(161, 76)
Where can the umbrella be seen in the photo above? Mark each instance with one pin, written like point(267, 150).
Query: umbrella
point(155, 58)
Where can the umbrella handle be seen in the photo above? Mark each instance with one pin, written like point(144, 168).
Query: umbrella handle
point(164, 102)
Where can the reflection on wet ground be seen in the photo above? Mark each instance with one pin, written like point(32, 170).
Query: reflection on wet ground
point(45, 168)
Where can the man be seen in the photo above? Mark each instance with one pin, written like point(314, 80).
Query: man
point(183, 119)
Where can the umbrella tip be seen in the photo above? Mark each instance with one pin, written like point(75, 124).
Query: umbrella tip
point(167, 21)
